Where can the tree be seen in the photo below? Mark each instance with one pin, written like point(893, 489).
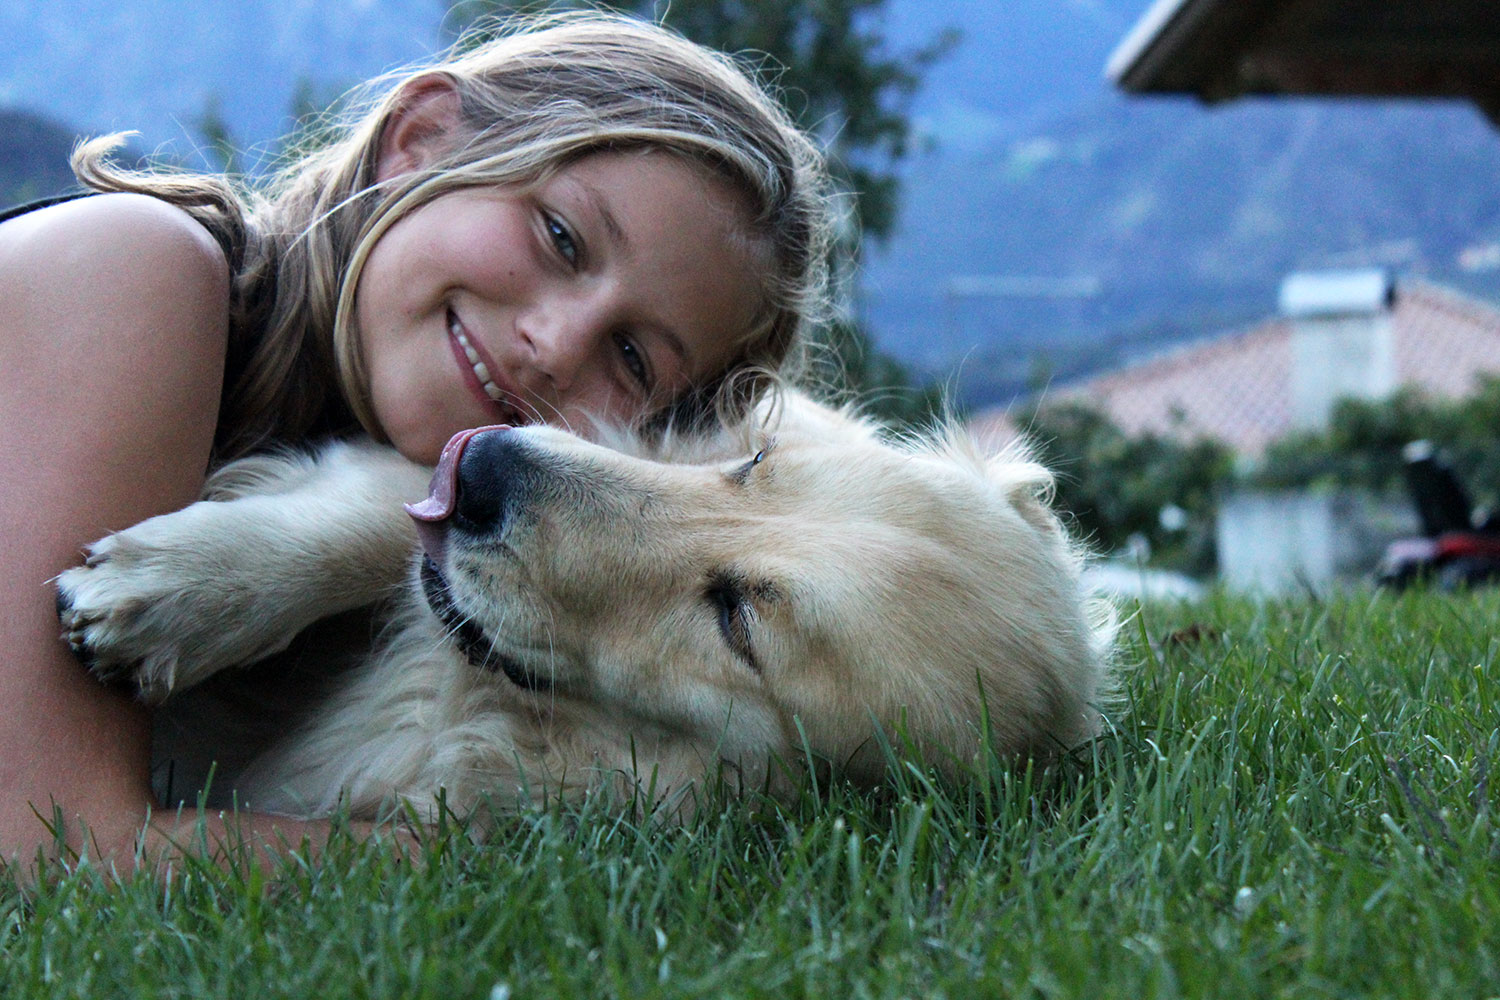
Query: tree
point(843, 82)
point(214, 129)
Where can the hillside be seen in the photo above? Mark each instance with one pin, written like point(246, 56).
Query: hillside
point(33, 157)
point(1186, 218)
point(110, 65)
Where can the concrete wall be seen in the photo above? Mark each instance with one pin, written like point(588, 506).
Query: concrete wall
point(1274, 543)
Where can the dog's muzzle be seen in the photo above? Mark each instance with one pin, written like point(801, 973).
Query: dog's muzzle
point(469, 637)
point(469, 493)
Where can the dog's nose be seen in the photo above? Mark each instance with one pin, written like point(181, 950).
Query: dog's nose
point(432, 514)
point(490, 470)
point(443, 489)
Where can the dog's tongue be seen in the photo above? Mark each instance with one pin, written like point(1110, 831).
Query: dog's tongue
point(443, 490)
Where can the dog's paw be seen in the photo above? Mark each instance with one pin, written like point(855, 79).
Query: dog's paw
point(154, 609)
point(117, 619)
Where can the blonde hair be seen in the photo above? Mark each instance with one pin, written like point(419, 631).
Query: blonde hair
point(541, 94)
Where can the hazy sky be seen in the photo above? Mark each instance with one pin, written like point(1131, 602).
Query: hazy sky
point(152, 64)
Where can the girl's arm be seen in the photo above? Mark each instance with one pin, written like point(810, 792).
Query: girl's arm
point(113, 319)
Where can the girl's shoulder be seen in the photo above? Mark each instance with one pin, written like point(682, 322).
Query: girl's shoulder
point(109, 218)
point(118, 233)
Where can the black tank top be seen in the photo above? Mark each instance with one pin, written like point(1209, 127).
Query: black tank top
point(32, 206)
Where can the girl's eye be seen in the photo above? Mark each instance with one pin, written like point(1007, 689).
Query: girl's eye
point(635, 361)
point(562, 238)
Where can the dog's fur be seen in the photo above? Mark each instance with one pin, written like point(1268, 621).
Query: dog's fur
point(635, 619)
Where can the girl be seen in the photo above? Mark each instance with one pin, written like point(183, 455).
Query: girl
point(586, 218)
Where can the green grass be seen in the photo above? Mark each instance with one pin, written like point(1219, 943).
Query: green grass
point(1298, 803)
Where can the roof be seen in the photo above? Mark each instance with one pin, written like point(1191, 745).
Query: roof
point(1238, 387)
point(1222, 49)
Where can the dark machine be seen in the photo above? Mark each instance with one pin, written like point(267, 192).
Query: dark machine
point(1458, 546)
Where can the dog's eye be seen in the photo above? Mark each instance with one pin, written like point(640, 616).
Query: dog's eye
point(741, 474)
point(735, 615)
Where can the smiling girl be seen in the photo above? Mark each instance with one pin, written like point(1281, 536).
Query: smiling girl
point(585, 219)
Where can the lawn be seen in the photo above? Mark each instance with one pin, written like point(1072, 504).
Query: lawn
point(1296, 801)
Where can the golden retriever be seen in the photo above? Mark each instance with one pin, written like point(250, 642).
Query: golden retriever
point(628, 619)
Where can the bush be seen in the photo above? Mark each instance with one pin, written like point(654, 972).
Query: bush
point(1118, 487)
point(1362, 446)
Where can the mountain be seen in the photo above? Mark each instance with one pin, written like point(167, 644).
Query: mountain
point(1016, 63)
point(152, 65)
point(1176, 219)
point(155, 65)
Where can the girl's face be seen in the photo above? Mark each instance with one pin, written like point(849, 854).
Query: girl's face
point(607, 290)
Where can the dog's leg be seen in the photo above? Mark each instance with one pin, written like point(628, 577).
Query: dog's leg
point(285, 541)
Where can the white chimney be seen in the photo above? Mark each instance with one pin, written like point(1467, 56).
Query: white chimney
point(1342, 340)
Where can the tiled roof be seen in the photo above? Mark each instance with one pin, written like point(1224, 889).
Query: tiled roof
point(1238, 387)
point(1444, 340)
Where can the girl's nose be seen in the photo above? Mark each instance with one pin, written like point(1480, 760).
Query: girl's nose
point(560, 343)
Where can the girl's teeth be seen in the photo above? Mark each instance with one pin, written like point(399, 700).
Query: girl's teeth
point(480, 371)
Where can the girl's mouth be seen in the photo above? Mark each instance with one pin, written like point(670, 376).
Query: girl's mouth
point(499, 401)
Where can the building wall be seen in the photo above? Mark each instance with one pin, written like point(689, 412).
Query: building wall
point(1338, 357)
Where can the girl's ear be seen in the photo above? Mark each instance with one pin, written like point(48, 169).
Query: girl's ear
point(421, 127)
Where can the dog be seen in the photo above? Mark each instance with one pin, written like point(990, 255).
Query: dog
point(576, 618)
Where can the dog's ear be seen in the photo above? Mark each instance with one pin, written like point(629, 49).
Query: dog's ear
point(1028, 485)
point(794, 414)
